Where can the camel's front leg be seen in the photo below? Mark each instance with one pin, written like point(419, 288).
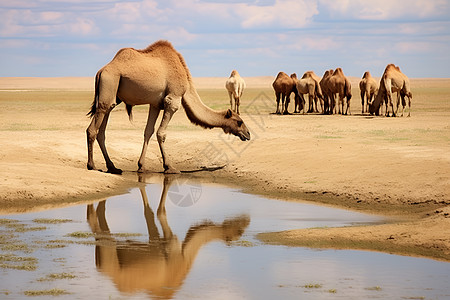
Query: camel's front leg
point(171, 105)
point(153, 113)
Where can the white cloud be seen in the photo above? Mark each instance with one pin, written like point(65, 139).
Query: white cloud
point(30, 23)
point(83, 26)
point(386, 9)
point(283, 13)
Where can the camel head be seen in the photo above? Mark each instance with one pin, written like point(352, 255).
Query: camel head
point(374, 106)
point(234, 125)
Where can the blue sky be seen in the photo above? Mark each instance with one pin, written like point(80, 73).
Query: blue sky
point(51, 38)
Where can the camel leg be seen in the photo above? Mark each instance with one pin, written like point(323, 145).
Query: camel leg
point(333, 104)
point(409, 106)
point(369, 97)
point(282, 103)
point(347, 110)
point(161, 213)
point(286, 105)
point(362, 101)
point(91, 134)
point(316, 99)
point(152, 229)
point(278, 103)
point(237, 101)
point(153, 113)
point(231, 100)
point(96, 131)
point(297, 104)
point(311, 103)
point(171, 105)
point(390, 105)
point(101, 142)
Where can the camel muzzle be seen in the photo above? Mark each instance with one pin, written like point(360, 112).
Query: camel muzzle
point(244, 136)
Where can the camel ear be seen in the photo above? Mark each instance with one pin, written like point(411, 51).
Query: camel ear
point(228, 114)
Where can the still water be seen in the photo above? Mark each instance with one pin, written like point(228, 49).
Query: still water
point(174, 238)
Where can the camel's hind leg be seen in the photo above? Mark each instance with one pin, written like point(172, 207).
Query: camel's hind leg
point(237, 101)
point(278, 103)
point(101, 142)
point(363, 93)
point(153, 113)
point(230, 94)
point(171, 105)
point(96, 131)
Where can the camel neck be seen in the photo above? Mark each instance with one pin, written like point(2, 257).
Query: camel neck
point(198, 113)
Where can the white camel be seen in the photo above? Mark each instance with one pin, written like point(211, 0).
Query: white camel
point(235, 86)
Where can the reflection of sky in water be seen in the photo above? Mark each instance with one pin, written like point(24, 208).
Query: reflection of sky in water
point(218, 203)
point(223, 271)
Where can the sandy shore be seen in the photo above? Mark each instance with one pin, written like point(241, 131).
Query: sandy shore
point(397, 167)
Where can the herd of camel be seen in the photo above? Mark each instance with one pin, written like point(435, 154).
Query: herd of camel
point(334, 85)
point(159, 77)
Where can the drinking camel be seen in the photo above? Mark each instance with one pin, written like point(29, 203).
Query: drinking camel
point(157, 76)
point(368, 87)
point(392, 81)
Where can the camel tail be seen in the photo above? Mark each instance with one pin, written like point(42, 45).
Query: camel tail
point(94, 105)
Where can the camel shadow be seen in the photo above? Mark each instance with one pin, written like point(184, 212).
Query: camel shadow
point(159, 266)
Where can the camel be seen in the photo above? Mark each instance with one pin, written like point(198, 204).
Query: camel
point(158, 76)
point(392, 81)
point(340, 85)
point(309, 84)
point(159, 266)
point(235, 86)
point(328, 100)
point(368, 87)
point(283, 86)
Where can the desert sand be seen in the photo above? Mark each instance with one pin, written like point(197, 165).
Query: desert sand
point(395, 167)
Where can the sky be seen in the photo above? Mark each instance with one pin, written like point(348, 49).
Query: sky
point(50, 38)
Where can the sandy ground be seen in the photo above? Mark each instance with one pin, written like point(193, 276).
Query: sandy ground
point(396, 167)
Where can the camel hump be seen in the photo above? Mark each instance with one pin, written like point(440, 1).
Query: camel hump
point(366, 74)
point(293, 76)
point(234, 73)
point(338, 71)
point(282, 74)
point(392, 66)
point(308, 74)
point(161, 44)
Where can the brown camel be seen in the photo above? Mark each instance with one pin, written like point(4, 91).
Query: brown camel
point(328, 100)
point(339, 85)
point(235, 86)
point(368, 87)
point(310, 84)
point(160, 266)
point(283, 86)
point(157, 76)
point(392, 81)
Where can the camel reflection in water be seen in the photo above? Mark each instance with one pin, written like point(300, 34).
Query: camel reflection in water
point(160, 266)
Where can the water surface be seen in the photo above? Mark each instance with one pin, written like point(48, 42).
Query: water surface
point(178, 239)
